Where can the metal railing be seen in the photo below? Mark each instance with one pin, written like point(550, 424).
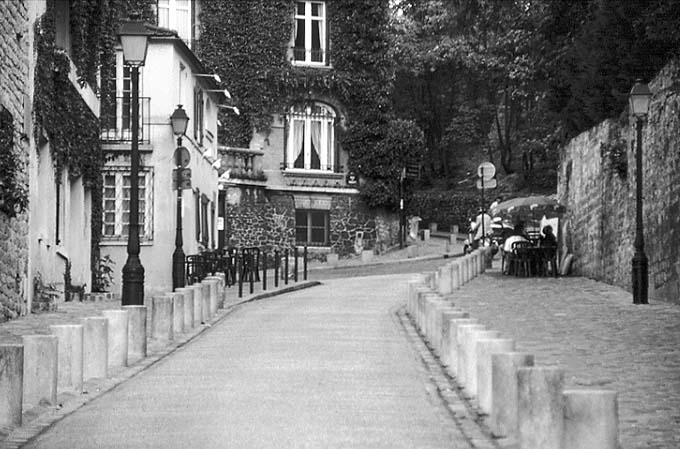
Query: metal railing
point(331, 168)
point(247, 265)
point(116, 120)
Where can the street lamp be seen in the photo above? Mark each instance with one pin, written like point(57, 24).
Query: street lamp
point(134, 38)
point(639, 99)
point(179, 121)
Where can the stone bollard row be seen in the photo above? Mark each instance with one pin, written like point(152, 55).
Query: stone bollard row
point(32, 373)
point(525, 404)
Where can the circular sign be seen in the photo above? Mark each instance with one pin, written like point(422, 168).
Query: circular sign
point(182, 157)
point(486, 170)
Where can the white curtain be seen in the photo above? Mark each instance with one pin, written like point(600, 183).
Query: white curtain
point(316, 143)
point(298, 137)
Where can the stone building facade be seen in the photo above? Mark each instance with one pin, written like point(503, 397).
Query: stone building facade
point(597, 184)
point(14, 104)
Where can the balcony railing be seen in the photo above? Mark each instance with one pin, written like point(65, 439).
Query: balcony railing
point(304, 55)
point(243, 163)
point(321, 168)
point(116, 120)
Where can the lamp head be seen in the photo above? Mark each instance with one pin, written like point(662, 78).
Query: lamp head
point(179, 121)
point(134, 38)
point(639, 99)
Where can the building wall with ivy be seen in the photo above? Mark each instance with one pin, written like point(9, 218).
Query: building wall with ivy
point(13, 159)
point(597, 182)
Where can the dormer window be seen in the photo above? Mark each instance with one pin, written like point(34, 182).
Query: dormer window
point(176, 15)
point(311, 140)
point(310, 41)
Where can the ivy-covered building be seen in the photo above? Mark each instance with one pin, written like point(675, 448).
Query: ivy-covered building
point(310, 79)
point(50, 156)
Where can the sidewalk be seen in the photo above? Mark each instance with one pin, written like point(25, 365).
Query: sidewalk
point(601, 339)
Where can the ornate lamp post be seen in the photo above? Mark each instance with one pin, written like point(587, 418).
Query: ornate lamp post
point(639, 99)
point(179, 121)
point(134, 38)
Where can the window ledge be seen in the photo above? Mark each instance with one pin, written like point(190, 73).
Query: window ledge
point(116, 242)
point(312, 65)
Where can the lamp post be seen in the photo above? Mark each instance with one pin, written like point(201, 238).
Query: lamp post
point(179, 121)
point(134, 38)
point(639, 99)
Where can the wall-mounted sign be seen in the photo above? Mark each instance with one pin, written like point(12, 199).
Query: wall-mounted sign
point(352, 178)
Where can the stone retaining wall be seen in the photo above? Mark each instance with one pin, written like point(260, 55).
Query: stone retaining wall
point(13, 231)
point(266, 219)
point(597, 184)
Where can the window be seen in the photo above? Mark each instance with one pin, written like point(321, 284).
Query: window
point(311, 138)
point(117, 204)
point(176, 15)
point(310, 33)
point(311, 227)
point(198, 115)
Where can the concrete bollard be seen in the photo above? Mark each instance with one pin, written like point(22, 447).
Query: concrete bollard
point(444, 280)
point(137, 328)
point(455, 275)
point(214, 295)
point(40, 369)
point(198, 303)
point(462, 345)
point(453, 342)
point(95, 347)
point(161, 318)
point(540, 415)
point(447, 316)
point(188, 294)
point(504, 395)
point(472, 362)
point(440, 307)
point(591, 419)
point(177, 312)
point(69, 355)
point(205, 299)
point(426, 235)
point(220, 290)
point(413, 286)
point(485, 349)
point(118, 337)
point(11, 384)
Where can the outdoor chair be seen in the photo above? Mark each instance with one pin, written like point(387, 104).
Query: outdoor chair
point(521, 258)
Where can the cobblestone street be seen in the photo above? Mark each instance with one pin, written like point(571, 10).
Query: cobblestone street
point(599, 337)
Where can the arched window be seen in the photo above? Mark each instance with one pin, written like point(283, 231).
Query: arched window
point(311, 139)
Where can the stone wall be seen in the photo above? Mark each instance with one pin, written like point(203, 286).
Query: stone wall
point(13, 231)
point(597, 184)
point(255, 217)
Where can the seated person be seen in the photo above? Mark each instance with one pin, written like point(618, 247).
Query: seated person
point(548, 238)
point(517, 236)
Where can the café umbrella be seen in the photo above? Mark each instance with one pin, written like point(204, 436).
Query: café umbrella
point(528, 208)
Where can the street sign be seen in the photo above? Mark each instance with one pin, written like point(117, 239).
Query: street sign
point(487, 171)
point(352, 179)
point(182, 156)
point(181, 178)
point(490, 184)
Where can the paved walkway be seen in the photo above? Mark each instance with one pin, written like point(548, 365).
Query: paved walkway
point(601, 339)
point(329, 366)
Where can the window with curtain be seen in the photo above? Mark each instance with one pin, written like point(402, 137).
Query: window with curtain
point(309, 36)
point(312, 227)
point(311, 138)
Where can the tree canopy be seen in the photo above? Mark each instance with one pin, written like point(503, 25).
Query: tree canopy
point(514, 79)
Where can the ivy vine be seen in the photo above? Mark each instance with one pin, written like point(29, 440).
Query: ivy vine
point(13, 189)
point(614, 154)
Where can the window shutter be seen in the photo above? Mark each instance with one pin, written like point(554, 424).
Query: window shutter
point(197, 197)
point(327, 50)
